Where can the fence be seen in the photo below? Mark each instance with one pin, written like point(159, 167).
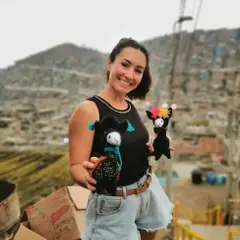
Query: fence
point(205, 217)
point(232, 233)
point(183, 232)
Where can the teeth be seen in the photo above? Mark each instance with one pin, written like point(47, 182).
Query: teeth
point(124, 82)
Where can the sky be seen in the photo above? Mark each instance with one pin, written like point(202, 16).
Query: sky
point(30, 26)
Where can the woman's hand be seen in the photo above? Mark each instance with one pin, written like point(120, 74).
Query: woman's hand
point(89, 166)
point(150, 148)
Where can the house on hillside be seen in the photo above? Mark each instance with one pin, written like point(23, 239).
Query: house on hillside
point(203, 145)
point(5, 122)
point(178, 81)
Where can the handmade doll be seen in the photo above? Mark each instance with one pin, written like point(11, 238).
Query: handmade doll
point(160, 118)
point(107, 169)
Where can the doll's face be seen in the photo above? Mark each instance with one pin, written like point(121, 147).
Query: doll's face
point(113, 138)
point(159, 122)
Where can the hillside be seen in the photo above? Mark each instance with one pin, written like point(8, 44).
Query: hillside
point(36, 174)
point(68, 56)
point(63, 64)
point(41, 90)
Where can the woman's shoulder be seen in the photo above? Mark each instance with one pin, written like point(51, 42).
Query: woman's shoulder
point(86, 109)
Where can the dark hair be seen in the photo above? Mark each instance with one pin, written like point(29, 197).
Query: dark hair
point(144, 86)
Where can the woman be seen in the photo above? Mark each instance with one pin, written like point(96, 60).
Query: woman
point(141, 206)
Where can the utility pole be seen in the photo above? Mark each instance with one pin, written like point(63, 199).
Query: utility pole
point(232, 133)
point(231, 138)
point(176, 44)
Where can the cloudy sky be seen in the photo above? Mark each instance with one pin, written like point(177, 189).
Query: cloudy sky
point(29, 26)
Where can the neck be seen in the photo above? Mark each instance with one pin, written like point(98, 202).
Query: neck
point(159, 130)
point(115, 149)
point(111, 147)
point(113, 96)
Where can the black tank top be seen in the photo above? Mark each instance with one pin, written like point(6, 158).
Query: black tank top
point(134, 144)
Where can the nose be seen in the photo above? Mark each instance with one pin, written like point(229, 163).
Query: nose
point(130, 73)
point(117, 138)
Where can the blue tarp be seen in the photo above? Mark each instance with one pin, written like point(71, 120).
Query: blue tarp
point(218, 52)
point(204, 75)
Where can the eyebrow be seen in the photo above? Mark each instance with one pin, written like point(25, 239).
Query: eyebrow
point(139, 66)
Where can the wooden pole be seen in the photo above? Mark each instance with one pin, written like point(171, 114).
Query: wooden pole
point(233, 134)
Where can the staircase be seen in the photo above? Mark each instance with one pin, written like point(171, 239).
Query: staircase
point(187, 229)
point(214, 232)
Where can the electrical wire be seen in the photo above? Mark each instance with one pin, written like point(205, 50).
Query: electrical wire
point(190, 46)
point(176, 45)
point(173, 47)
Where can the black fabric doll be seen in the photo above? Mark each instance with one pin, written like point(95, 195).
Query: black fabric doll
point(160, 118)
point(107, 169)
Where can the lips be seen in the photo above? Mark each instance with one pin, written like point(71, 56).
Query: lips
point(124, 82)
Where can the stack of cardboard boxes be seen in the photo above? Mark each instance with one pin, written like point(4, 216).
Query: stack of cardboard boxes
point(60, 216)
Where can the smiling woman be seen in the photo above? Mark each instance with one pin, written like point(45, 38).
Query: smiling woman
point(139, 206)
point(129, 64)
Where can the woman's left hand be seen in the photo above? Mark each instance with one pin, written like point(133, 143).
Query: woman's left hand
point(150, 147)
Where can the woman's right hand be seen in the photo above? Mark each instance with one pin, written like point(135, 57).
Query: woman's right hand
point(90, 182)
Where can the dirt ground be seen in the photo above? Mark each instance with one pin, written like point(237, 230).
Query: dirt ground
point(196, 197)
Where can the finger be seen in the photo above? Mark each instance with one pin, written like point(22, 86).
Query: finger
point(94, 159)
point(148, 144)
point(90, 180)
point(172, 148)
point(88, 165)
point(150, 148)
point(90, 187)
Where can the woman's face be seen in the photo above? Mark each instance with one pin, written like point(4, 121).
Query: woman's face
point(126, 72)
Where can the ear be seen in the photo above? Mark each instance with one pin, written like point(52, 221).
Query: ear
point(109, 64)
point(125, 126)
point(130, 127)
point(149, 114)
point(169, 112)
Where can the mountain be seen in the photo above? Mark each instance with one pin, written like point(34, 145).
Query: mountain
point(69, 59)
point(69, 56)
point(81, 71)
point(65, 66)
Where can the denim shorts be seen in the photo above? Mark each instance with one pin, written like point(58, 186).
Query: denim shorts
point(119, 218)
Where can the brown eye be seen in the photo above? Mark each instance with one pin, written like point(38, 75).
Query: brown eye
point(124, 64)
point(138, 71)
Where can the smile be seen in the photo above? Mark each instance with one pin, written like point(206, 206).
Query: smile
point(126, 83)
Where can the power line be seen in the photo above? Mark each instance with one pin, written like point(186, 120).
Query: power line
point(172, 49)
point(190, 46)
point(176, 45)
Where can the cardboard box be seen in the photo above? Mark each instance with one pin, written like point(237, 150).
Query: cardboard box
point(61, 215)
point(24, 233)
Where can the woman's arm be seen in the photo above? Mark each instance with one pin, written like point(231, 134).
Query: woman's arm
point(80, 143)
